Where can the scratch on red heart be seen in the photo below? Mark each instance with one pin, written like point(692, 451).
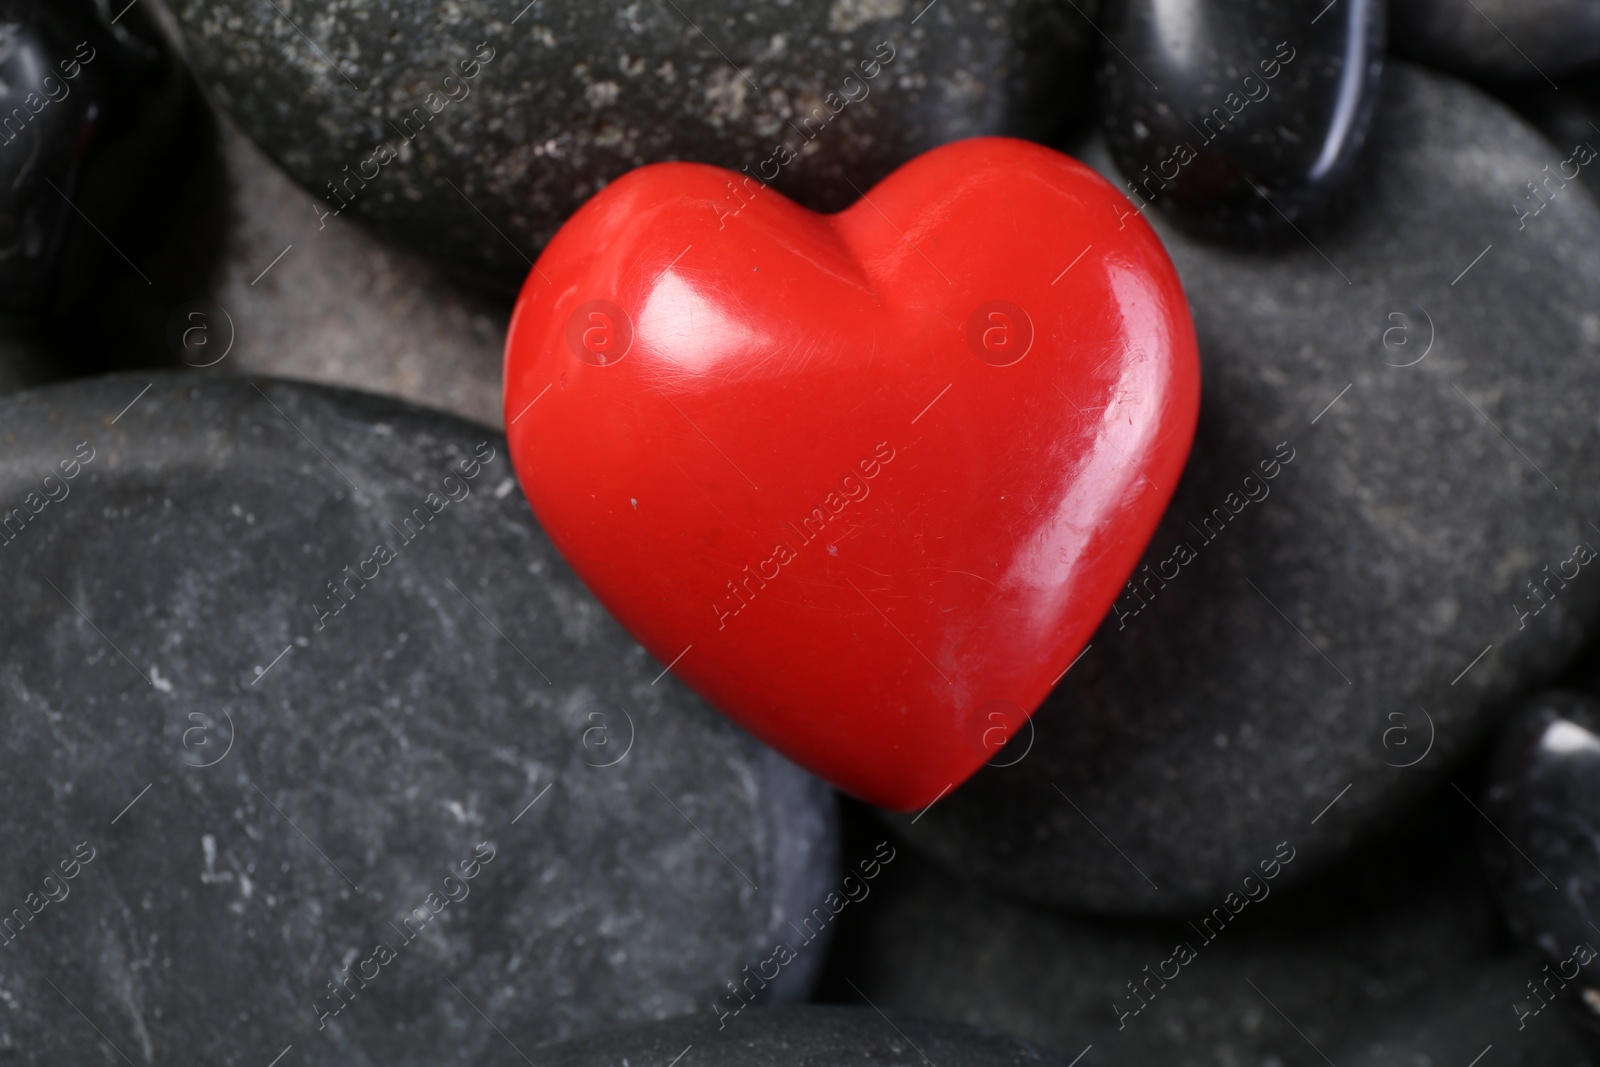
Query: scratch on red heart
point(743, 589)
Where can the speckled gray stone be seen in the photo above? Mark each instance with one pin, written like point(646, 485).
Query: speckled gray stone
point(566, 97)
point(1396, 958)
point(267, 800)
point(1498, 40)
point(801, 1036)
point(1316, 630)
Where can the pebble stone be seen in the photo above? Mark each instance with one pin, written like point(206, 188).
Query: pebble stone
point(475, 140)
point(1395, 958)
point(245, 748)
point(90, 105)
point(799, 1036)
point(1239, 118)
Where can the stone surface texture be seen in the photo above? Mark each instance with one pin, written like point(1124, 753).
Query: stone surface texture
point(808, 1036)
point(1398, 957)
point(499, 123)
point(273, 777)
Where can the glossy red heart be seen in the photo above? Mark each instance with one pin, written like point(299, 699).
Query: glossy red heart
point(866, 481)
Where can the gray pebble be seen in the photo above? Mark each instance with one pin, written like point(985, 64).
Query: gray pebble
point(273, 775)
point(471, 131)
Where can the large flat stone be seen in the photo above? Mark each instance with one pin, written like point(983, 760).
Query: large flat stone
point(272, 777)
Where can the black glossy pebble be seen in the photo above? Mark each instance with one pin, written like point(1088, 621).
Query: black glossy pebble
point(1239, 117)
point(798, 1036)
point(1543, 852)
point(308, 737)
point(416, 126)
point(88, 97)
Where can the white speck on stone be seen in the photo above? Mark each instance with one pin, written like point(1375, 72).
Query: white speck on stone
point(159, 682)
point(503, 490)
point(726, 90)
point(846, 15)
point(455, 807)
point(208, 849)
point(962, 87)
point(601, 94)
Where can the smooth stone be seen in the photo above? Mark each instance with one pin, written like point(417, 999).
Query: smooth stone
point(1543, 849)
point(1298, 657)
point(1238, 118)
point(795, 1036)
point(1395, 957)
point(93, 104)
point(562, 99)
point(1501, 41)
point(267, 801)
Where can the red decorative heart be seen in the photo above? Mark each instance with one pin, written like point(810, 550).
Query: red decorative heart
point(866, 481)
